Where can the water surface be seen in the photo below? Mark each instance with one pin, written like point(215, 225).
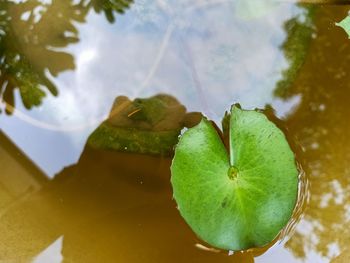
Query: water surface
point(62, 200)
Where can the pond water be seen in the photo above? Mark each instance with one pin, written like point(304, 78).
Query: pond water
point(67, 66)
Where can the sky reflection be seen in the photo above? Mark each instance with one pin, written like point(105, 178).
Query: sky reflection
point(208, 55)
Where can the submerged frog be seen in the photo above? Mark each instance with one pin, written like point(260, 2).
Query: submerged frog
point(147, 126)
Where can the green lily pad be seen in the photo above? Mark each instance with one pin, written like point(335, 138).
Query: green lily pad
point(345, 24)
point(239, 200)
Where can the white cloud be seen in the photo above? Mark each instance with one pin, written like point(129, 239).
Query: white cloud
point(209, 61)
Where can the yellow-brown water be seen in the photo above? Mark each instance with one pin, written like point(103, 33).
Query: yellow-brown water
point(62, 200)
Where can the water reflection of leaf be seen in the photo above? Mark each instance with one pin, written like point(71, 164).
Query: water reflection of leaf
point(109, 7)
point(299, 31)
point(31, 34)
point(25, 38)
point(108, 199)
point(320, 124)
point(144, 126)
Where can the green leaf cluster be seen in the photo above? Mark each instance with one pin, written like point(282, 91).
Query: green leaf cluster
point(111, 6)
point(145, 126)
point(27, 44)
point(299, 31)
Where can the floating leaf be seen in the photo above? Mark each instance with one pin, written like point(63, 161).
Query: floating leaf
point(345, 24)
point(240, 200)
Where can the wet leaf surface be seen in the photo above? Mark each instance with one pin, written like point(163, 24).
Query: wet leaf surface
point(240, 200)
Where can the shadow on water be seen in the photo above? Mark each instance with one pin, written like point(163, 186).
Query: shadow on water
point(31, 36)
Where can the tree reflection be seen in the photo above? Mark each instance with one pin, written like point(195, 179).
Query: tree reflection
point(131, 191)
point(320, 125)
point(113, 205)
point(31, 34)
point(300, 30)
point(109, 7)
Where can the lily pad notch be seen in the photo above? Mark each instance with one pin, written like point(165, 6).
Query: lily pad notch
point(238, 199)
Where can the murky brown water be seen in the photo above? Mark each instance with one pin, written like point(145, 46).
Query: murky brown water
point(63, 63)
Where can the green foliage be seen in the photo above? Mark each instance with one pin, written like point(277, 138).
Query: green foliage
point(17, 73)
point(133, 140)
point(299, 35)
point(146, 126)
point(27, 45)
point(345, 24)
point(240, 200)
point(24, 51)
point(111, 6)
